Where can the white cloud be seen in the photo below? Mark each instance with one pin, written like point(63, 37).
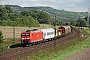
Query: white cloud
point(70, 5)
point(77, 9)
point(37, 4)
point(61, 1)
point(24, 5)
point(33, 0)
point(75, 0)
point(52, 0)
point(3, 2)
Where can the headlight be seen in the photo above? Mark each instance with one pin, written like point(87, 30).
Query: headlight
point(28, 38)
point(22, 38)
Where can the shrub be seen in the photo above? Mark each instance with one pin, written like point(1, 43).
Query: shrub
point(1, 37)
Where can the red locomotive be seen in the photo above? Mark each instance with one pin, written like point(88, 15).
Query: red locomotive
point(31, 36)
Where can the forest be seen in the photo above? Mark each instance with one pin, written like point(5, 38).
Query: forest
point(25, 18)
point(13, 15)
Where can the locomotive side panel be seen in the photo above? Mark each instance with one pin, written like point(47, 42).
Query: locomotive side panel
point(36, 36)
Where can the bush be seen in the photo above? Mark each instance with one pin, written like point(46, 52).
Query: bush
point(2, 48)
point(1, 37)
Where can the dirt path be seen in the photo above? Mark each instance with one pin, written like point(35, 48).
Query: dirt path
point(82, 55)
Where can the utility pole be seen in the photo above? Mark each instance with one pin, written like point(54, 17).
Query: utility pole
point(14, 34)
point(55, 30)
point(14, 31)
point(55, 20)
point(88, 19)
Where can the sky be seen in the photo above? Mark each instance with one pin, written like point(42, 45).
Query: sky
point(69, 5)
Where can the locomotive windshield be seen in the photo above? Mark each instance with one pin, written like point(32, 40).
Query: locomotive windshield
point(25, 34)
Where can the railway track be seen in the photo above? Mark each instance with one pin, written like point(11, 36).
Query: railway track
point(20, 52)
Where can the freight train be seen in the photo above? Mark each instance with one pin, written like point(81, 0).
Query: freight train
point(41, 35)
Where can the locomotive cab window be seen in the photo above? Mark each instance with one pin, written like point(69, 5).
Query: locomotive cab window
point(25, 34)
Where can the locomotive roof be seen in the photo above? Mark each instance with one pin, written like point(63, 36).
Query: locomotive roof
point(34, 30)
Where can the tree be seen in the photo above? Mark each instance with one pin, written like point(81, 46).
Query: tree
point(43, 18)
point(1, 37)
point(59, 23)
point(32, 22)
point(81, 23)
point(27, 21)
point(8, 9)
point(25, 13)
point(2, 13)
point(73, 22)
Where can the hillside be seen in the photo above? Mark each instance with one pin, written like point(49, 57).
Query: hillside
point(60, 14)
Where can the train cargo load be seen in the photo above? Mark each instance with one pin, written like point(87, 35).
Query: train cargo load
point(65, 29)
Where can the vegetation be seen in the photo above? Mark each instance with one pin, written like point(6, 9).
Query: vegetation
point(1, 37)
point(42, 15)
point(60, 14)
point(10, 43)
point(62, 51)
point(29, 18)
point(79, 22)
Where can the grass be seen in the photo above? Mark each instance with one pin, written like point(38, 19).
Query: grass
point(6, 44)
point(62, 51)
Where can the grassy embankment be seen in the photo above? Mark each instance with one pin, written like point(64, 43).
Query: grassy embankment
point(62, 51)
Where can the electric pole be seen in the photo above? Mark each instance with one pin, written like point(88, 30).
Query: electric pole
point(13, 34)
point(55, 29)
point(88, 17)
point(88, 20)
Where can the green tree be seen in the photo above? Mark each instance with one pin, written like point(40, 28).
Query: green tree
point(1, 37)
point(32, 22)
point(8, 9)
point(27, 21)
point(43, 18)
point(59, 22)
point(73, 22)
point(2, 13)
point(81, 23)
point(25, 13)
